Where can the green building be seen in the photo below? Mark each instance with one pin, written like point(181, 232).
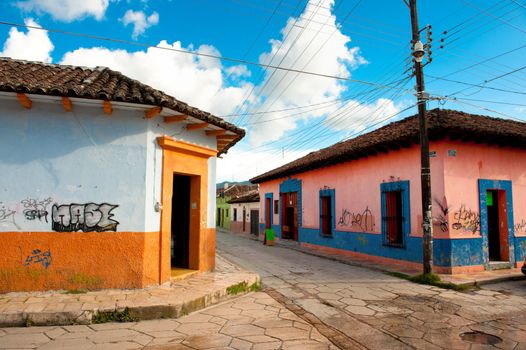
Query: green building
point(225, 194)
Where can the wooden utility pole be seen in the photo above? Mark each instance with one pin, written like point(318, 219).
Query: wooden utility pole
point(425, 175)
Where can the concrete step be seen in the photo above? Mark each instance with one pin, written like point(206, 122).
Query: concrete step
point(499, 265)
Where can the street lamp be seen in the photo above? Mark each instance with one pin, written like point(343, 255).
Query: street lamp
point(418, 51)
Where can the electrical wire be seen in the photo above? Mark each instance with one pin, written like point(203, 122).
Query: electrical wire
point(491, 15)
point(224, 58)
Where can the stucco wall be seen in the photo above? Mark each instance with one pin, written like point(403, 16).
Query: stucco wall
point(111, 163)
point(462, 172)
point(357, 186)
point(455, 171)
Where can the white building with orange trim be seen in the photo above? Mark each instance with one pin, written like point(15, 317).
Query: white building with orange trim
point(105, 182)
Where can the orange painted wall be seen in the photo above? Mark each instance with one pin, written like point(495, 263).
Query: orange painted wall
point(185, 159)
point(90, 260)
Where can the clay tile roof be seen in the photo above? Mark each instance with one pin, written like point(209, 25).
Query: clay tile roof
point(99, 83)
point(442, 123)
point(249, 197)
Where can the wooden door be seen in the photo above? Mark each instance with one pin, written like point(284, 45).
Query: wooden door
point(254, 222)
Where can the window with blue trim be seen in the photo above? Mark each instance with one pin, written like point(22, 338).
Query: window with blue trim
point(327, 212)
point(395, 213)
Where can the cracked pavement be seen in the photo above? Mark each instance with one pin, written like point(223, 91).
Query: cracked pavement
point(379, 311)
point(310, 302)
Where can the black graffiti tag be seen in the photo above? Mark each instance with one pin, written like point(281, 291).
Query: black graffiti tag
point(467, 220)
point(84, 217)
point(363, 220)
point(39, 257)
point(36, 209)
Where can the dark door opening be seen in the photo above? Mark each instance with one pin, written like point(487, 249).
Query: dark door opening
point(254, 222)
point(180, 240)
point(289, 215)
point(326, 216)
point(492, 202)
point(394, 218)
point(267, 213)
point(244, 218)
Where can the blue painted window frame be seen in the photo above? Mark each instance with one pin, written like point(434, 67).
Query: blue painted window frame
point(271, 196)
point(403, 187)
point(332, 194)
point(288, 186)
point(484, 186)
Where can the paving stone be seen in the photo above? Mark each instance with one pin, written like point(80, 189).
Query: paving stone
point(68, 344)
point(23, 340)
point(207, 341)
point(287, 333)
point(360, 310)
point(156, 325)
point(304, 345)
point(117, 346)
point(242, 330)
point(196, 328)
point(273, 323)
point(115, 335)
point(267, 346)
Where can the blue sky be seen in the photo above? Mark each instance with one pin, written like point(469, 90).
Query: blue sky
point(288, 115)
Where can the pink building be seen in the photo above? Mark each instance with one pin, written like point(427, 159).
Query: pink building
point(362, 196)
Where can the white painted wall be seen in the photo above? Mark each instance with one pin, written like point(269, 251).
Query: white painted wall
point(239, 206)
point(211, 192)
point(85, 156)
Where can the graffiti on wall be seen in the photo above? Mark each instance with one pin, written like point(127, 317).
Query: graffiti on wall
point(520, 227)
point(466, 220)
point(87, 217)
point(39, 257)
point(36, 209)
point(442, 218)
point(362, 221)
point(7, 215)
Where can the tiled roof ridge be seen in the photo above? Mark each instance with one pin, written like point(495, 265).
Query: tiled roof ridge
point(461, 125)
point(100, 83)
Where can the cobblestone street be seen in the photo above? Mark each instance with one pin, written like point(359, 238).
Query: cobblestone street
point(309, 302)
point(378, 311)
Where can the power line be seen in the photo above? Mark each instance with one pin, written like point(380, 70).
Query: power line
point(477, 85)
point(313, 56)
point(454, 99)
point(519, 4)
point(493, 16)
point(265, 84)
point(224, 58)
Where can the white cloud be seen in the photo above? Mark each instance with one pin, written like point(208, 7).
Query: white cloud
point(240, 165)
point(140, 21)
point(33, 45)
point(359, 115)
point(66, 10)
point(238, 71)
point(196, 80)
point(314, 43)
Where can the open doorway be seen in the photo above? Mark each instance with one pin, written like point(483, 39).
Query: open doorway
point(289, 215)
point(498, 249)
point(180, 237)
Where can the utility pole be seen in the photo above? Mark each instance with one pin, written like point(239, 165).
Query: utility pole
point(425, 175)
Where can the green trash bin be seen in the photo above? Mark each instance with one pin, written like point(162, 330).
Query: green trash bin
point(269, 236)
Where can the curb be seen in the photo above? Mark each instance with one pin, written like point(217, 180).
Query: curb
point(514, 277)
point(119, 313)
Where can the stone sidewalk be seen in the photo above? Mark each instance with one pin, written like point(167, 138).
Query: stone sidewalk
point(170, 300)
point(252, 322)
point(483, 277)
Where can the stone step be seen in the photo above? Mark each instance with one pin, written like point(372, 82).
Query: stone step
point(499, 265)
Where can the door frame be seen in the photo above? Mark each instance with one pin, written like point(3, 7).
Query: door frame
point(501, 185)
point(186, 159)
